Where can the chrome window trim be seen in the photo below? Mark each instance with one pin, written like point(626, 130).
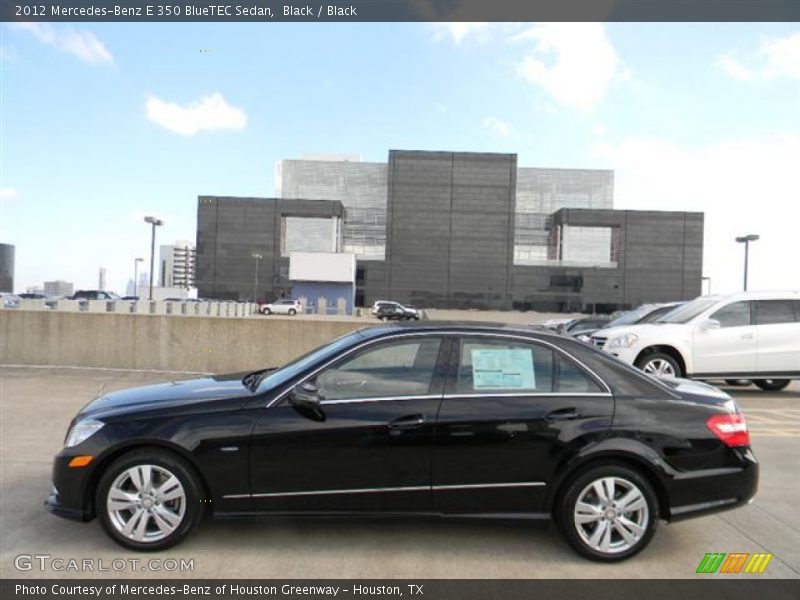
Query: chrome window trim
point(409, 488)
point(381, 399)
point(494, 335)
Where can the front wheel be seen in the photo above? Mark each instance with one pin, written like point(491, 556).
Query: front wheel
point(292, 312)
point(266, 311)
point(660, 365)
point(771, 385)
point(608, 513)
point(148, 500)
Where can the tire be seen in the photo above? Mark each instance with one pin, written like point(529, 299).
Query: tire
point(589, 538)
point(659, 363)
point(266, 311)
point(737, 381)
point(167, 521)
point(292, 312)
point(771, 385)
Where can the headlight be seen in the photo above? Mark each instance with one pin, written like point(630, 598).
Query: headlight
point(82, 431)
point(584, 338)
point(623, 341)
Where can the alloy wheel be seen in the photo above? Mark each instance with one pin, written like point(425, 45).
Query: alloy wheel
point(146, 503)
point(611, 515)
point(659, 366)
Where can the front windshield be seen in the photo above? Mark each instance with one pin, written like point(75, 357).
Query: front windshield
point(687, 312)
point(298, 365)
point(631, 317)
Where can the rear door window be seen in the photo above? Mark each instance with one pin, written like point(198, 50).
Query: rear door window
point(499, 366)
point(773, 312)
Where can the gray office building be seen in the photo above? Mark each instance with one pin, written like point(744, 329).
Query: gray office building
point(6, 268)
point(455, 230)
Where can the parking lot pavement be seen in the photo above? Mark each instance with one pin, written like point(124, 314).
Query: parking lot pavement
point(36, 405)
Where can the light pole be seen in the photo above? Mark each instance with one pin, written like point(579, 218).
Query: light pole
point(136, 262)
point(257, 258)
point(746, 239)
point(155, 223)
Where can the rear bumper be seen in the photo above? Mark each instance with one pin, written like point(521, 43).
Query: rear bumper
point(702, 493)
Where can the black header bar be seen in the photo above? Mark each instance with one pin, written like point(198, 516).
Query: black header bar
point(399, 10)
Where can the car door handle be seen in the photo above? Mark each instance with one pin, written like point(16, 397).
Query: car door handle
point(747, 336)
point(563, 414)
point(407, 422)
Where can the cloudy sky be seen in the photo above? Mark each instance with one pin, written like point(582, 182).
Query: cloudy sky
point(102, 124)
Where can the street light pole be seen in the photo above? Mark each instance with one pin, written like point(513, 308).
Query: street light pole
point(746, 239)
point(708, 279)
point(155, 223)
point(257, 257)
point(136, 262)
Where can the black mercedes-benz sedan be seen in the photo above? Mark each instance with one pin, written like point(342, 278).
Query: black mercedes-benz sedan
point(452, 420)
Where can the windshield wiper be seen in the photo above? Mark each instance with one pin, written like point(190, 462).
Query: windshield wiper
point(252, 380)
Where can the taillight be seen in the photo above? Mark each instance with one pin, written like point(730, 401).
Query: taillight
point(731, 429)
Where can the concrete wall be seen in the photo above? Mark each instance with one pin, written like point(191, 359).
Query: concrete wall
point(169, 343)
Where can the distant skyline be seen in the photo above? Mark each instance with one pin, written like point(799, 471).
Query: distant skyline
point(102, 124)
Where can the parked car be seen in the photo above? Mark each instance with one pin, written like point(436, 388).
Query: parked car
point(578, 326)
point(553, 324)
point(397, 312)
point(647, 313)
point(417, 419)
point(94, 295)
point(749, 335)
point(379, 304)
point(9, 300)
point(281, 307)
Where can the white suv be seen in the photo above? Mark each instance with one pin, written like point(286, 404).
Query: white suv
point(281, 307)
point(749, 335)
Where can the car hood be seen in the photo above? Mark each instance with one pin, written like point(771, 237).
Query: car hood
point(173, 393)
point(643, 330)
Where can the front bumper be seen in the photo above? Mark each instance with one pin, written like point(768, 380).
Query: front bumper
point(69, 497)
point(627, 355)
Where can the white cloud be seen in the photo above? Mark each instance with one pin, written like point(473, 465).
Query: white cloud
point(775, 57)
point(574, 62)
point(735, 68)
point(210, 113)
point(742, 185)
point(497, 126)
point(80, 43)
point(458, 32)
point(8, 193)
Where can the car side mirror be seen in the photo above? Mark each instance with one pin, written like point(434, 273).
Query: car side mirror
point(306, 400)
point(709, 325)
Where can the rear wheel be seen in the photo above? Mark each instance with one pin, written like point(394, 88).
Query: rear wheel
point(771, 385)
point(737, 381)
point(659, 364)
point(608, 513)
point(148, 500)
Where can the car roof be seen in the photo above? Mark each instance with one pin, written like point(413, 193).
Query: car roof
point(467, 327)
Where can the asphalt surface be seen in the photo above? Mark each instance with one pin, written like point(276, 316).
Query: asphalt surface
point(36, 405)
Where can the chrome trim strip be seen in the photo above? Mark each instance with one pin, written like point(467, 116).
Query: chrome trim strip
point(434, 333)
point(475, 486)
point(457, 396)
point(382, 399)
point(412, 488)
point(523, 394)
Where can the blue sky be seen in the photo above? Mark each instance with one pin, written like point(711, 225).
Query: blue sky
point(104, 123)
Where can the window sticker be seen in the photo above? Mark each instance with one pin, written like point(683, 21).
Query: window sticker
point(503, 369)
